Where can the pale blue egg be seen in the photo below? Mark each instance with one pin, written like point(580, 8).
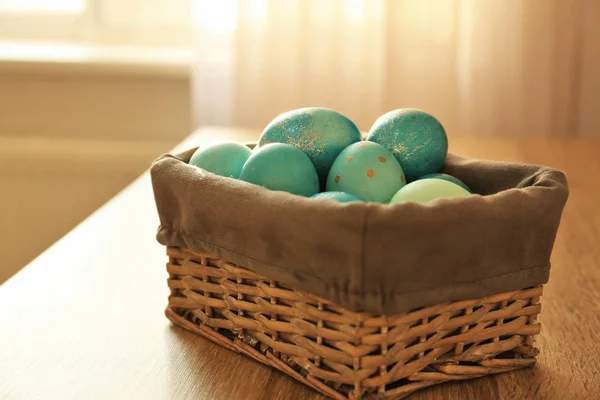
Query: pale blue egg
point(448, 178)
point(283, 167)
point(368, 171)
point(225, 159)
point(342, 197)
point(416, 138)
point(425, 190)
point(321, 133)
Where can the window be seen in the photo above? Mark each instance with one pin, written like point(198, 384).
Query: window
point(43, 6)
point(128, 22)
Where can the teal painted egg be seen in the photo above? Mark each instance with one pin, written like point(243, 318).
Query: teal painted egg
point(321, 133)
point(338, 196)
point(417, 140)
point(426, 190)
point(448, 178)
point(280, 166)
point(225, 159)
point(368, 171)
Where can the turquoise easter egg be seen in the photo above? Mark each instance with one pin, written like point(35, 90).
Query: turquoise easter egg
point(417, 140)
point(448, 178)
point(427, 190)
point(321, 133)
point(280, 166)
point(338, 196)
point(225, 159)
point(368, 171)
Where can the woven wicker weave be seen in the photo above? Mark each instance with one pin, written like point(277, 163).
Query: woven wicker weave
point(345, 354)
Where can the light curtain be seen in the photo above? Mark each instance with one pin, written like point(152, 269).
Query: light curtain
point(509, 67)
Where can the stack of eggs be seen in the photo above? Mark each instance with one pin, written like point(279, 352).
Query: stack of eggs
point(319, 153)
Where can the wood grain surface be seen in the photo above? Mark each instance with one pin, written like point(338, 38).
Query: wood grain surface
point(85, 319)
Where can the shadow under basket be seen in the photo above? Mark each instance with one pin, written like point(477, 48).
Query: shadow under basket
point(345, 354)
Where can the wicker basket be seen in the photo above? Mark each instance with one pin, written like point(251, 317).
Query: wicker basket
point(345, 354)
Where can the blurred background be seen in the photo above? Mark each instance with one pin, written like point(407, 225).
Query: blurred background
point(91, 91)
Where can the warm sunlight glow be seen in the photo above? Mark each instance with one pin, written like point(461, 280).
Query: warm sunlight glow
point(257, 9)
point(215, 16)
point(354, 10)
point(43, 6)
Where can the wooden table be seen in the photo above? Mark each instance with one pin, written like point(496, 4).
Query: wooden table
point(85, 319)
